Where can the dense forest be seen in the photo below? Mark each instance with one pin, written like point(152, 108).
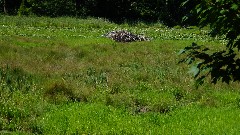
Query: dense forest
point(169, 12)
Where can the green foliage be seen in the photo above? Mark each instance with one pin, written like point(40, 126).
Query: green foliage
point(169, 12)
point(23, 10)
point(11, 6)
point(53, 8)
point(223, 18)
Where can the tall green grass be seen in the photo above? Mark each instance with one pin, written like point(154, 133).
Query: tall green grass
point(61, 76)
point(99, 119)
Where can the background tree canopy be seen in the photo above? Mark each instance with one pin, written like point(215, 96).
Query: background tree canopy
point(168, 12)
point(223, 17)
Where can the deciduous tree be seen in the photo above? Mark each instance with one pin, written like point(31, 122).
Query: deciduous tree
point(223, 18)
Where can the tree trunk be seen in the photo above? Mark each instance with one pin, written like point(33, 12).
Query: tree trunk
point(4, 7)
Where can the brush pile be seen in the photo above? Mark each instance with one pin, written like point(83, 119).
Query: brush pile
point(125, 36)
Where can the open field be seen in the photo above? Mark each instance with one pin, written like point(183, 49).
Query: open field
point(61, 76)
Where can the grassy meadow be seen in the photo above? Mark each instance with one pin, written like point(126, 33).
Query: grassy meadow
point(61, 76)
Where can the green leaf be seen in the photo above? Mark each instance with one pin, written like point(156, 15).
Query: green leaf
point(199, 9)
point(185, 2)
point(190, 61)
point(194, 70)
point(221, 17)
point(210, 8)
point(181, 51)
point(234, 6)
point(223, 11)
point(185, 18)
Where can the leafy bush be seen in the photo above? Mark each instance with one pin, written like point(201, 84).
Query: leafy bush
point(223, 17)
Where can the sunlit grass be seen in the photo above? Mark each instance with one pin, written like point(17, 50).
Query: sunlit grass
point(99, 119)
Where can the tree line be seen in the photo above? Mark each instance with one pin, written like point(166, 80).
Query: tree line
point(169, 12)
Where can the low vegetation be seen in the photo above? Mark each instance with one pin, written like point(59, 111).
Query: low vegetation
point(61, 76)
